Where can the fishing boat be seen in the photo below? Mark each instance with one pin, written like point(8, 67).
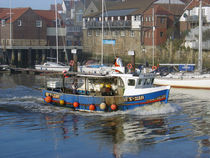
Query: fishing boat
point(104, 93)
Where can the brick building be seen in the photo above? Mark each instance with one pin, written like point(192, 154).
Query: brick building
point(28, 27)
point(129, 26)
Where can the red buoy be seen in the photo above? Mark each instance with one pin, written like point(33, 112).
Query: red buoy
point(114, 107)
point(48, 99)
point(75, 104)
point(91, 107)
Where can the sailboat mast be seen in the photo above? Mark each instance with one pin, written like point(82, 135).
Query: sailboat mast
point(153, 37)
point(56, 30)
point(10, 26)
point(102, 34)
point(200, 39)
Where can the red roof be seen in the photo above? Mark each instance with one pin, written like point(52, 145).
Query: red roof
point(16, 13)
point(47, 14)
point(195, 3)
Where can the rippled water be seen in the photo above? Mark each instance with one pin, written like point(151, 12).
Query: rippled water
point(29, 128)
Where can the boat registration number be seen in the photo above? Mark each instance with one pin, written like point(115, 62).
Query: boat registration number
point(136, 98)
point(56, 96)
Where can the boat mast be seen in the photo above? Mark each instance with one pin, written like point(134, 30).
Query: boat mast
point(153, 37)
point(10, 17)
point(56, 29)
point(102, 33)
point(200, 39)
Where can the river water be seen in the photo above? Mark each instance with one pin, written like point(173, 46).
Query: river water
point(29, 128)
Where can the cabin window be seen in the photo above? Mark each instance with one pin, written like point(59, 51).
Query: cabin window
point(139, 82)
point(145, 82)
point(131, 82)
point(148, 81)
point(151, 81)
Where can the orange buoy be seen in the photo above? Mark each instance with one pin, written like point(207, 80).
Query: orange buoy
point(154, 67)
point(114, 107)
point(75, 104)
point(48, 99)
point(91, 107)
point(62, 102)
point(102, 106)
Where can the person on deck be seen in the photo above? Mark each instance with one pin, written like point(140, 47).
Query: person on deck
point(118, 62)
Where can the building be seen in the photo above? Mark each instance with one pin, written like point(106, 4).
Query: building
point(73, 12)
point(17, 31)
point(29, 27)
point(129, 25)
point(23, 31)
point(190, 16)
point(189, 22)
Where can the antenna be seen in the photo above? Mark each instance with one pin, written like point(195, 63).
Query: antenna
point(102, 34)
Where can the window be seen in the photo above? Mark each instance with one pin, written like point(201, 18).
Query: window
point(122, 33)
point(97, 32)
point(139, 82)
point(151, 80)
point(162, 20)
point(106, 32)
point(114, 33)
point(19, 23)
point(161, 34)
point(131, 82)
point(149, 18)
point(38, 23)
point(3, 22)
point(132, 33)
point(145, 19)
point(89, 32)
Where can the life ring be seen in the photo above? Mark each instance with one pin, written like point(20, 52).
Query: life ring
point(154, 67)
point(129, 66)
point(71, 63)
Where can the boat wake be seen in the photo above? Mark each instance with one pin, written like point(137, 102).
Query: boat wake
point(156, 109)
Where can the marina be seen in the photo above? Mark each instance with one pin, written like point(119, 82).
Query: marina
point(35, 129)
point(105, 79)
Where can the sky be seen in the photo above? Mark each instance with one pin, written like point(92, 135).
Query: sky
point(34, 4)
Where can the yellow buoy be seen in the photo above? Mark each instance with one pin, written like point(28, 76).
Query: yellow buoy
point(62, 102)
point(108, 85)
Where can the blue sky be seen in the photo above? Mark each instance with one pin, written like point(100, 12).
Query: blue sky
point(34, 4)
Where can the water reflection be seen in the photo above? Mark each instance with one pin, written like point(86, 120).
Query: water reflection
point(68, 127)
point(128, 134)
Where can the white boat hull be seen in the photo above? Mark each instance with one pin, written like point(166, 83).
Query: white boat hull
point(51, 66)
point(198, 83)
